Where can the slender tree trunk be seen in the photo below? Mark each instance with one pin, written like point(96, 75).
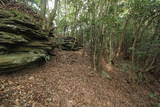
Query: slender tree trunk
point(43, 5)
point(122, 38)
point(52, 15)
point(136, 36)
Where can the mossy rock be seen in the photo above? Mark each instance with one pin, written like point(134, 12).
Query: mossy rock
point(3, 49)
point(5, 14)
point(14, 21)
point(22, 41)
point(10, 38)
point(22, 30)
point(26, 49)
point(11, 62)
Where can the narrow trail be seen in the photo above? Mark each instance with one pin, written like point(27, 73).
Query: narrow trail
point(68, 81)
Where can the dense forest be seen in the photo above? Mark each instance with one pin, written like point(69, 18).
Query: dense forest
point(115, 34)
point(113, 30)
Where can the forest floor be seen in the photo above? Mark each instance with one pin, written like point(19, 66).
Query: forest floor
point(68, 80)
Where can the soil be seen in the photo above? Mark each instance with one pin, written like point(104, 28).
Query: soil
point(68, 80)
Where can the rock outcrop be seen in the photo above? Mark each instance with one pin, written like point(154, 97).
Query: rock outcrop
point(22, 41)
point(68, 43)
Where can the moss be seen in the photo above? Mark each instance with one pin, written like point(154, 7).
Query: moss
point(5, 14)
point(23, 41)
point(28, 32)
point(14, 21)
point(3, 49)
point(18, 15)
point(12, 38)
point(21, 15)
point(23, 23)
point(27, 49)
point(18, 60)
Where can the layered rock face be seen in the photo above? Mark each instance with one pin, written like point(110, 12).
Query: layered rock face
point(68, 43)
point(22, 41)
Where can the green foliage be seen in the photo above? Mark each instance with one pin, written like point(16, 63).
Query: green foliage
point(113, 29)
point(101, 24)
point(152, 95)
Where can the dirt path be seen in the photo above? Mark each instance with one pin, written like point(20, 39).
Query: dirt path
point(68, 81)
